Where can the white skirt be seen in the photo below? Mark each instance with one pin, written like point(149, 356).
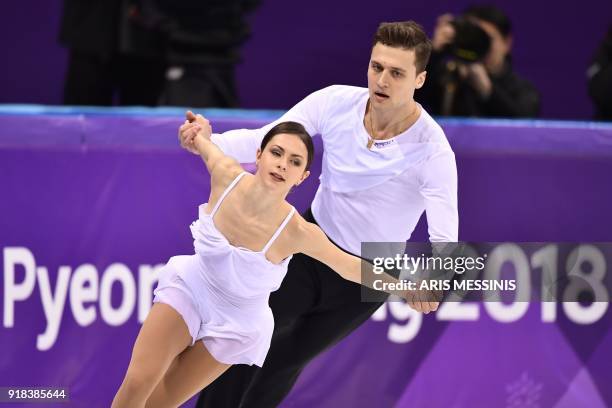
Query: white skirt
point(231, 334)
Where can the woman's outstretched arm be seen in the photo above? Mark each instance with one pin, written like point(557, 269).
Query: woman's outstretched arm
point(312, 241)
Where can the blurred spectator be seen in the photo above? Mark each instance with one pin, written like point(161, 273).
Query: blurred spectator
point(203, 40)
point(600, 78)
point(470, 72)
point(96, 66)
point(151, 52)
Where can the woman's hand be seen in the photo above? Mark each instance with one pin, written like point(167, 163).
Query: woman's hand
point(194, 126)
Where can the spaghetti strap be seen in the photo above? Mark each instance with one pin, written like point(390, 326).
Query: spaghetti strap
point(226, 192)
point(279, 230)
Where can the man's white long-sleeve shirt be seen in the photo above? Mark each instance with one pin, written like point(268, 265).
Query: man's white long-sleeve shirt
point(365, 195)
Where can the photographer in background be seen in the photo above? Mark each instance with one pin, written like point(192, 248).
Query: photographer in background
point(470, 74)
point(600, 79)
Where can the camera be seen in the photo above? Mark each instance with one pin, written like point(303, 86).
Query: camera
point(471, 43)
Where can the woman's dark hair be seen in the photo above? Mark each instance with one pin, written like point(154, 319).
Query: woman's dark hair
point(292, 128)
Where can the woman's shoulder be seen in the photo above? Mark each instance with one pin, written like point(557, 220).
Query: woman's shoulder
point(222, 176)
point(299, 231)
point(225, 172)
point(295, 225)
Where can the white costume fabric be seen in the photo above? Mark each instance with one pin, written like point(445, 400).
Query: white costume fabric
point(365, 195)
point(222, 291)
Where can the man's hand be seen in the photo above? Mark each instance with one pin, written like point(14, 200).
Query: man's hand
point(423, 301)
point(444, 33)
point(478, 78)
point(195, 125)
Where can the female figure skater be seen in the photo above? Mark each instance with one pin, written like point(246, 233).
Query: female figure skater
point(211, 309)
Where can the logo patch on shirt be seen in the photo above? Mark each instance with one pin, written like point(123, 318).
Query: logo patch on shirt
point(383, 143)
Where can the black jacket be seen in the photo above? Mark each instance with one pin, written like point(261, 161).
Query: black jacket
point(90, 25)
point(180, 28)
point(511, 95)
point(600, 79)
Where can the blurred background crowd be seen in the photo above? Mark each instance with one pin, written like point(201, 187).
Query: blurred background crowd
point(518, 60)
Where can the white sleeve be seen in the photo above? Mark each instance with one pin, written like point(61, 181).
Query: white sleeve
point(242, 144)
point(438, 185)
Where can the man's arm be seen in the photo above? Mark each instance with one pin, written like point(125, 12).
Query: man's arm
point(312, 241)
point(241, 144)
point(513, 97)
point(438, 186)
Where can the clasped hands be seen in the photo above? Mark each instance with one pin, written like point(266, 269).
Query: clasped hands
point(194, 126)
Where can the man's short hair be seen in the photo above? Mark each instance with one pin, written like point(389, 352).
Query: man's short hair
point(492, 15)
point(408, 35)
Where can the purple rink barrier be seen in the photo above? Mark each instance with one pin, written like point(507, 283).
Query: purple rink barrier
point(93, 200)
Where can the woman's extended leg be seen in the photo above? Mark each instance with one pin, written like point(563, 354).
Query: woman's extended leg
point(190, 372)
point(163, 336)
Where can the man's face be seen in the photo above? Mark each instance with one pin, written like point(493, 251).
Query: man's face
point(392, 77)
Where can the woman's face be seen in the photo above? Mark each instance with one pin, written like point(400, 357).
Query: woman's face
point(282, 163)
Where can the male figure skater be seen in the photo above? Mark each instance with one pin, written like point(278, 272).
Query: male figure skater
point(386, 161)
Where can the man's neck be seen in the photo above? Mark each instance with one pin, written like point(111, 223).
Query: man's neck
point(385, 124)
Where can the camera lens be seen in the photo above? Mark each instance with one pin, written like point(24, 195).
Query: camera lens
point(471, 42)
